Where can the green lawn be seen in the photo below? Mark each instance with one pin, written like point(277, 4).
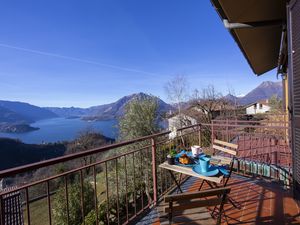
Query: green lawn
point(38, 212)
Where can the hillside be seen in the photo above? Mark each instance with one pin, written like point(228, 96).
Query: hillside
point(264, 91)
point(116, 109)
point(107, 111)
point(15, 153)
point(68, 111)
point(8, 116)
point(17, 112)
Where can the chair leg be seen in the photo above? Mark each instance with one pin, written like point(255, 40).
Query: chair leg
point(214, 210)
point(221, 209)
point(170, 218)
point(234, 205)
point(170, 212)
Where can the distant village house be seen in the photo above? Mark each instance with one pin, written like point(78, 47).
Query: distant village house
point(178, 121)
point(258, 107)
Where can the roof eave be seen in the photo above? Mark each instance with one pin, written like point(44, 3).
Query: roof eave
point(223, 17)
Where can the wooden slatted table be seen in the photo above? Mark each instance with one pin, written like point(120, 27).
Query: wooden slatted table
point(189, 172)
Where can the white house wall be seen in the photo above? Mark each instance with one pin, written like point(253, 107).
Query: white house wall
point(252, 110)
point(174, 122)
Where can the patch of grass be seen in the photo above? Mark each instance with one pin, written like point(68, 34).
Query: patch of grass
point(39, 209)
point(38, 212)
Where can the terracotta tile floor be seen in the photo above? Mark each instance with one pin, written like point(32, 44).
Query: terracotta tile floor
point(260, 202)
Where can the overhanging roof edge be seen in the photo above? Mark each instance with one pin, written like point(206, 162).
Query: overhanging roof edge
point(222, 16)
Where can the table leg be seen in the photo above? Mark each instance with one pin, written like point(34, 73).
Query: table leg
point(180, 176)
point(210, 184)
point(174, 178)
point(201, 185)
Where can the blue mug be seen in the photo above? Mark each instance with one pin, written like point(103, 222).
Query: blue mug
point(204, 163)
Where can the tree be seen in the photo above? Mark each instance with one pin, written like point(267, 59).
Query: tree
point(275, 104)
point(74, 199)
point(85, 141)
point(210, 102)
point(141, 118)
point(177, 92)
point(233, 100)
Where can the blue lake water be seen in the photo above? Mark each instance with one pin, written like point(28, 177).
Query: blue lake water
point(62, 129)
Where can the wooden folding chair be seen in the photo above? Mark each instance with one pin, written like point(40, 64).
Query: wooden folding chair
point(11, 208)
point(224, 153)
point(180, 202)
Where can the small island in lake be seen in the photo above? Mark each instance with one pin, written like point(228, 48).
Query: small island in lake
point(16, 128)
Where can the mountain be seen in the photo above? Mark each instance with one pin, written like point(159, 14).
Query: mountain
point(107, 111)
point(116, 109)
point(68, 111)
point(264, 91)
point(20, 112)
point(232, 98)
point(8, 116)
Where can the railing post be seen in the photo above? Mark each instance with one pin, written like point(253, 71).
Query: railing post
point(227, 130)
point(199, 135)
point(154, 171)
point(212, 131)
point(1, 211)
point(276, 158)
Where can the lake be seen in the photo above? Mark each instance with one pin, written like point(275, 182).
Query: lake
point(63, 129)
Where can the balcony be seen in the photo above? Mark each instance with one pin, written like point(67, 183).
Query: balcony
point(260, 201)
point(122, 183)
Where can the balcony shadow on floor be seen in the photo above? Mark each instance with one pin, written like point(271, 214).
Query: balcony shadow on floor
point(260, 201)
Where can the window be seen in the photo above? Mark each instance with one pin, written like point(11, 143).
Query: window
point(260, 106)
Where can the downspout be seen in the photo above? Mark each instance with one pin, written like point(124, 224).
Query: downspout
point(270, 23)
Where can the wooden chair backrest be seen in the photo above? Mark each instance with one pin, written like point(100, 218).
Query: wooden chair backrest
point(225, 147)
point(181, 202)
point(11, 209)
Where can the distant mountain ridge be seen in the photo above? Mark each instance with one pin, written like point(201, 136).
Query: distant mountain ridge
point(20, 112)
point(107, 111)
point(15, 117)
point(8, 116)
point(263, 91)
point(68, 111)
point(23, 113)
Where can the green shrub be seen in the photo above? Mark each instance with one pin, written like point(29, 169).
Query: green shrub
point(74, 195)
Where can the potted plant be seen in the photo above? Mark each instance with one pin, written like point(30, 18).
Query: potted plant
point(171, 157)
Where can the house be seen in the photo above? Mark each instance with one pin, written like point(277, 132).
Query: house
point(258, 107)
point(178, 121)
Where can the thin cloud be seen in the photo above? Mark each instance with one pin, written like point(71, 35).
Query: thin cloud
point(76, 59)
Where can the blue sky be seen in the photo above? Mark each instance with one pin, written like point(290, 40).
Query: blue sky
point(84, 53)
